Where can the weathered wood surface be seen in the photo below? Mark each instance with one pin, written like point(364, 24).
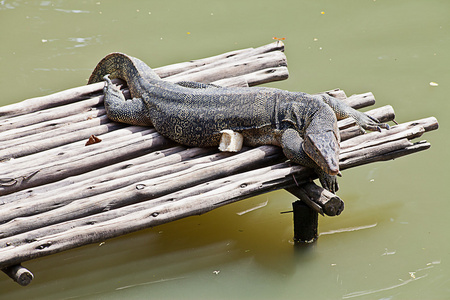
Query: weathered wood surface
point(57, 194)
point(318, 199)
point(306, 222)
point(19, 274)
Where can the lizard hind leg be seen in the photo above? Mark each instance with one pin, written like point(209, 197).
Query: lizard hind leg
point(119, 109)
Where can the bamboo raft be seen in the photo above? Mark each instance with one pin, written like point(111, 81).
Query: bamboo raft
point(58, 191)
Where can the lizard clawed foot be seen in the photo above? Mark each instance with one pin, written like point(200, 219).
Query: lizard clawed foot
point(328, 182)
point(107, 79)
point(109, 85)
point(376, 125)
point(368, 122)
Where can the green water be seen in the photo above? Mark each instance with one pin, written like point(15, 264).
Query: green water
point(391, 241)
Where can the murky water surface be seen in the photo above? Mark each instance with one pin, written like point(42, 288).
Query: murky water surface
point(391, 242)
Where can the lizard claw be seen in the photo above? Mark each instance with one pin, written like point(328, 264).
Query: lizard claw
point(107, 79)
point(110, 86)
point(328, 182)
point(368, 122)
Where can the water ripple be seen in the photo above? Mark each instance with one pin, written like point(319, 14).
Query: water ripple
point(369, 292)
point(412, 275)
point(74, 11)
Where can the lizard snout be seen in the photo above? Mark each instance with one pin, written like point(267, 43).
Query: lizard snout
point(323, 149)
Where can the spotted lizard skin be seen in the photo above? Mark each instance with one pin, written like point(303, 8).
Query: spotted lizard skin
point(193, 114)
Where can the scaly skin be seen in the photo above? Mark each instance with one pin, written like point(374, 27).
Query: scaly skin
point(193, 114)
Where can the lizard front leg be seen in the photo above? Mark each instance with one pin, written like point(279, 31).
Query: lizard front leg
point(343, 111)
point(292, 145)
point(119, 109)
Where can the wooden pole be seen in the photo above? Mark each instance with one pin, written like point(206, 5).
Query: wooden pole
point(125, 219)
point(200, 65)
point(375, 152)
point(318, 199)
point(64, 207)
point(233, 69)
point(314, 200)
point(306, 223)
point(19, 274)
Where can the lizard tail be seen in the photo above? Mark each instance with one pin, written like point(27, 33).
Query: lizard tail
point(122, 66)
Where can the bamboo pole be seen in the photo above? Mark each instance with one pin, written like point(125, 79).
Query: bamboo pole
point(19, 274)
point(35, 117)
point(132, 193)
point(151, 214)
point(233, 69)
point(49, 125)
point(157, 159)
point(62, 131)
point(347, 155)
point(318, 199)
point(163, 185)
point(215, 61)
point(75, 150)
point(164, 209)
point(100, 157)
point(56, 99)
point(255, 78)
point(87, 185)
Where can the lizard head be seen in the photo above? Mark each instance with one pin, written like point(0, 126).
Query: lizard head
point(323, 149)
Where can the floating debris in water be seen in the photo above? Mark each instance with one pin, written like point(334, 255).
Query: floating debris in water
point(387, 252)
point(437, 262)
point(349, 229)
point(433, 83)
point(261, 205)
